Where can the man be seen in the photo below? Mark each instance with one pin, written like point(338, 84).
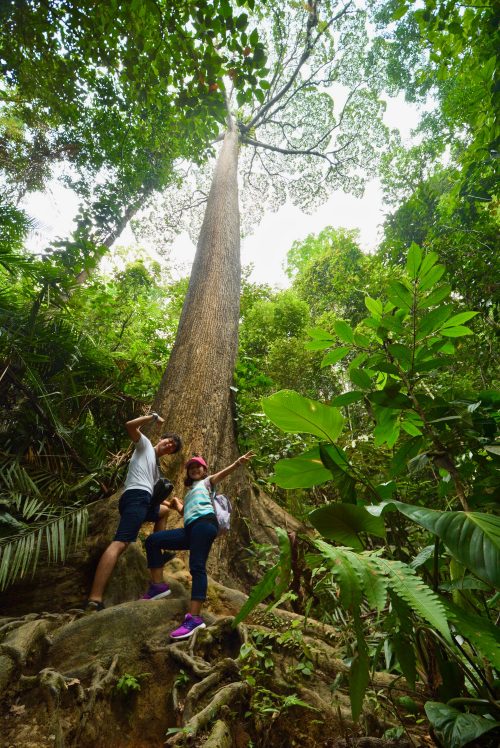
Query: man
point(135, 503)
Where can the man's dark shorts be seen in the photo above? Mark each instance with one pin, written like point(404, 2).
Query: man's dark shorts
point(135, 508)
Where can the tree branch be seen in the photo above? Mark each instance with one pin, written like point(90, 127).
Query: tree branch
point(308, 48)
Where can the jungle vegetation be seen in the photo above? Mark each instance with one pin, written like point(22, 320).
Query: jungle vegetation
point(368, 388)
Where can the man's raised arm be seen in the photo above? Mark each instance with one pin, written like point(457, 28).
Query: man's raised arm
point(134, 425)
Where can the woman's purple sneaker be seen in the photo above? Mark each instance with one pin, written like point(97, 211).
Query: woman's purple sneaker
point(156, 591)
point(188, 627)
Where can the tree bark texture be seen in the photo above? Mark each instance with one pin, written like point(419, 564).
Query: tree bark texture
point(194, 395)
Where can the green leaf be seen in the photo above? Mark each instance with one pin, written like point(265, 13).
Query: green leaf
point(284, 562)
point(433, 321)
point(319, 334)
point(432, 277)
point(344, 522)
point(410, 427)
point(304, 471)
point(456, 332)
point(336, 461)
point(400, 295)
point(266, 587)
point(436, 296)
point(318, 344)
point(333, 357)
point(405, 653)
point(473, 538)
point(361, 340)
point(374, 306)
point(401, 353)
point(390, 397)
point(343, 331)
point(385, 490)
point(275, 580)
point(387, 429)
point(454, 728)
point(360, 378)
point(349, 397)
point(481, 633)
point(293, 413)
point(404, 454)
point(459, 319)
point(339, 561)
point(424, 555)
point(413, 260)
point(428, 262)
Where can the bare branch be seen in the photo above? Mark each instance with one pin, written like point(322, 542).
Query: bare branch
point(328, 156)
point(308, 48)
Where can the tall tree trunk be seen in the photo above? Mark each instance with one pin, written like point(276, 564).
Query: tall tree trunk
point(194, 395)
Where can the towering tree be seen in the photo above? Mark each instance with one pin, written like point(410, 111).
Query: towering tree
point(302, 149)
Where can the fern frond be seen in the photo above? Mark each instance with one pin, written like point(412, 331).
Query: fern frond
point(343, 568)
point(404, 582)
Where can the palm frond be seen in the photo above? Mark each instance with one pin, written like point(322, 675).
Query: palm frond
point(53, 539)
point(14, 477)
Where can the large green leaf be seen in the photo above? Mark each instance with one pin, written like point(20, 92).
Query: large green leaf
point(473, 538)
point(333, 357)
point(266, 586)
point(340, 561)
point(336, 461)
point(285, 561)
point(349, 397)
point(481, 633)
point(294, 413)
point(400, 295)
point(344, 522)
point(304, 471)
point(454, 728)
point(414, 260)
point(344, 331)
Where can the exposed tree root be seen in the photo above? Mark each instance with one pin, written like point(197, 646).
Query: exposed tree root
point(232, 694)
point(102, 679)
point(220, 736)
point(222, 670)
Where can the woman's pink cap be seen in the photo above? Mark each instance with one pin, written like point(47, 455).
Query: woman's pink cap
point(197, 460)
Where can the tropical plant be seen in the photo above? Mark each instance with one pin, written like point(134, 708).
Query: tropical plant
point(75, 367)
point(439, 603)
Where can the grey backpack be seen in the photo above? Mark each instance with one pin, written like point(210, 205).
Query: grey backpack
point(222, 509)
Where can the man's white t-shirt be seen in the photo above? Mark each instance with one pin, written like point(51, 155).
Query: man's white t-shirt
point(143, 469)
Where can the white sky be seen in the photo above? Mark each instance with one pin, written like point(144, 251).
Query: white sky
point(267, 247)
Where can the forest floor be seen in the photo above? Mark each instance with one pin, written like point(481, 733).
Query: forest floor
point(113, 679)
